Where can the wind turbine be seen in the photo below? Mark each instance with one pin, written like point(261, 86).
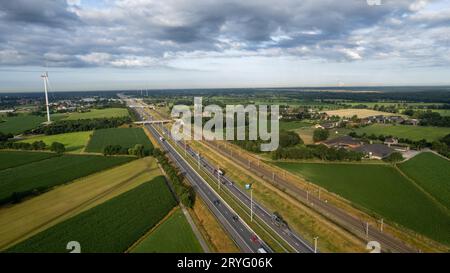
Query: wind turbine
point(45, 78)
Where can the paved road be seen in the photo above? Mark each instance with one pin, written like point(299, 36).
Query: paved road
point(242, 234)
point(290, 237)
point(351, 223)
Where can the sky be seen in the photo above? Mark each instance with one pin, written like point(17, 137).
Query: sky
point(154, 44)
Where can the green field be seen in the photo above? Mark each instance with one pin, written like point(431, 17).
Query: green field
point(443, 112)
point(110, 227)
point(44, 174)
point(125, 137)
point(380, 189)
point(20, 123)
point(10, 159)
point(74, 142)
point(406, 131)
point(432, 173)
point(292, 125)
point(174, 235)
point(99, 113)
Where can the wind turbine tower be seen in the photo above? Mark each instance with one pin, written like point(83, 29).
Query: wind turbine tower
point(45, 78)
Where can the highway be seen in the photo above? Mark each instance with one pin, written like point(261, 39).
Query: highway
point(283, 231)
point(351, 223)
point(245, 238)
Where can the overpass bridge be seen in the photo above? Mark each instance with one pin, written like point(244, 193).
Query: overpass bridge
point(153, 121)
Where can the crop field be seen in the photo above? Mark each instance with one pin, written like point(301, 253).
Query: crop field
point(44, 174)
point(174, 235)
point(99, 113)
point(361, 113)
point(125, 137)
point(20, 123)
point(34, 215)
point(406, 131)
point(306, 134)
point(74, 142)
point(432, 173)
point(11, 159)
point(110, 227)
point(292, 125)
point(380, 189)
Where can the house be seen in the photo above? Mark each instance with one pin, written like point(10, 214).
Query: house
point(375, 151)
point(318, 126)
point(396, 119)
point(342, 142)
point(411, 122)
point(326, 125)
point(390, 141)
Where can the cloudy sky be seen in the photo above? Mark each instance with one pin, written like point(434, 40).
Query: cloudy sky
point(128, 44)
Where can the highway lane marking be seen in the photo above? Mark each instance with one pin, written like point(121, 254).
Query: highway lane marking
point(191, 169)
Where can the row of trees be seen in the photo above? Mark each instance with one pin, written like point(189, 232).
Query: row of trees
point(138, 150)
point(5, 137)
point(56, 147)
point(185, 193)
point(429, 118)
point(287, 139)
point(321, 152)
point(68, 126)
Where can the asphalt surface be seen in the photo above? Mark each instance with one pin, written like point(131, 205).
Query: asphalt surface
point(246, 239)
point(283, 231)
point(358, 227)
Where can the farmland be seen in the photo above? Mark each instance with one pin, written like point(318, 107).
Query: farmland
point(292, 125)
point(110, 227)
point(20, 123)
point(10, 159)
point(380, 189)
point(361, 113)
point(432, 173)
point(174, 235)
point(41, 175)
point(406, 131)
point(125, 137)
point(34, 215)
point(74, 142)
point(99, 113)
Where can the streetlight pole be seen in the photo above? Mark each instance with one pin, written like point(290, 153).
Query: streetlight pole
point(251, 204)
point(382, 223)
point(218, 178)
point(315, 244)
point(367, 229)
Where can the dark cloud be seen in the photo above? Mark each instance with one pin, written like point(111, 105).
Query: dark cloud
point(138, 33)
point(43, 12)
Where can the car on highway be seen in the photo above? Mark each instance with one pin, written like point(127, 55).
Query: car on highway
point(219, 171)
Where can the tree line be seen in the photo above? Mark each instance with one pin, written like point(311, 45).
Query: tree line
point(40, 145)
point(69, 126)
point(429, 118)
point(184, 192)
point(321, 152)
point(138, 150)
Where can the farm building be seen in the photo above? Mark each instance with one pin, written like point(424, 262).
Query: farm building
point(343, 142)
point(375, 151)
point(390, 141)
